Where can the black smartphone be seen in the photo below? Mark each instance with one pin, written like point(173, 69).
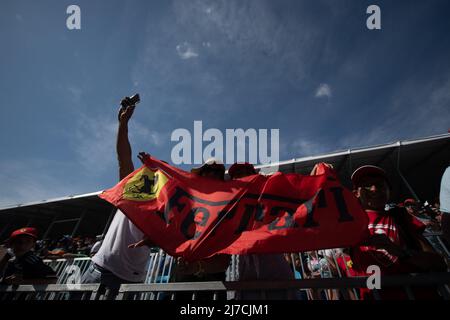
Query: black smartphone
point(131, 101)
point(135, 99)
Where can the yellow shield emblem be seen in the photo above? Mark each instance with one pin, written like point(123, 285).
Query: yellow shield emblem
point(144, 185)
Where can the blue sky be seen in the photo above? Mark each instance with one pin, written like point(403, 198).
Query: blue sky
point(309, 68)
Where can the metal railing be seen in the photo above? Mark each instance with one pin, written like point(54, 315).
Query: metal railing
point(439, 281)
point(159, 267)
point(435, 240)
point(314, 265)
point(49, 292)
point(212, 290)
point(67, 267)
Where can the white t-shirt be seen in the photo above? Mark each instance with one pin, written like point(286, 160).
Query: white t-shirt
point(445, 191)
point(96, 247)
point(114, 254)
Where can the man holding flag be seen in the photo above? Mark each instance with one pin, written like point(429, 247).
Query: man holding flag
point(115, 263)
point(197, 217)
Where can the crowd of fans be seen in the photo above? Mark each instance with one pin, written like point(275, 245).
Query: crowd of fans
point(395, 242)
point(66, 247)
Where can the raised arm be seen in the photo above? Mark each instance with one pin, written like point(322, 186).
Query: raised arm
point(123, 147)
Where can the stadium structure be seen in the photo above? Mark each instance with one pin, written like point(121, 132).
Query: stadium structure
point(414, 166)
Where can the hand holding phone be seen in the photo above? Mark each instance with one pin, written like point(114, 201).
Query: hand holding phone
point(130, 101)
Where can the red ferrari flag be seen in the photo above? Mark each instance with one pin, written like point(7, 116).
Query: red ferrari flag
point(196, 217)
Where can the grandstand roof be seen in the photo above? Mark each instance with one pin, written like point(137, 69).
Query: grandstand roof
point(421, 162)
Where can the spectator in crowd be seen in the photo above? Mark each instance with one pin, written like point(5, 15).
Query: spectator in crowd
point(317, 266)
point(260, 266)
point(114, 263)
point(78, 248)
point(345, 263)
point(41, 249)
point(444, 199)
point(25, 267)
point(340, 265)
point(241, 170)
point(210, 269)
point(60, 249)
point(96, 246)
point(295, 261)
point(395, 242)
point(5, 255)
point(425, 214)
point(66, 247)
point(84, 246)
point(436, 208)
point(412, 208)
point(321, 264)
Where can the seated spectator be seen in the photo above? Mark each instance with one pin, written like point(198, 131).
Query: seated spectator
point(395, 242)
point(25, 267)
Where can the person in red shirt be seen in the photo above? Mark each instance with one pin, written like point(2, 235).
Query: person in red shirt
point(395, 242)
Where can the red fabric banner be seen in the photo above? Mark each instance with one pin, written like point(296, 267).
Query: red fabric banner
point(196, 217)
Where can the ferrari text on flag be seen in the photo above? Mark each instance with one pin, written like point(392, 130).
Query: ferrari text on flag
point(196, 217)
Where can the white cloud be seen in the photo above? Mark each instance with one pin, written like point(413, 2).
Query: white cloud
point(186, 51)
point(323, 90)
point(222, 30)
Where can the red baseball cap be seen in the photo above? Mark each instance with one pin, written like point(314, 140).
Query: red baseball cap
point(410, 200)
point(210, 162)
point(24, 231)
point(243, 165)
point(367, 170)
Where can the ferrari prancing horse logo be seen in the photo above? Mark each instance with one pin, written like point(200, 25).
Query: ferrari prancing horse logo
point(144, 185)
